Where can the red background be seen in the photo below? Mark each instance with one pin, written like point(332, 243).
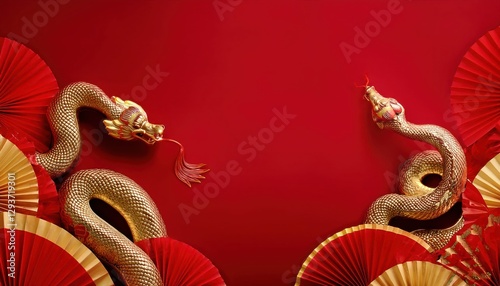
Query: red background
point(317, 176)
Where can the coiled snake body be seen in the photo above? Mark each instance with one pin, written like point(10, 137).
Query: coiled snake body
point(389, 114)
point(132, 202)
point(126, 121)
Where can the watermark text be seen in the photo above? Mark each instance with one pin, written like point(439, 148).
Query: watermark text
point(249, 148)
point(11, 213)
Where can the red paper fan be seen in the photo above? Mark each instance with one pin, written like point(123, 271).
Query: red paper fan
point(475, 91)
point(27, 85)
point(358, 255)
point(482, 151)
point(474, 254)
point(474, 209)
point(40, 253)
point(179, 263)
point(24, 185)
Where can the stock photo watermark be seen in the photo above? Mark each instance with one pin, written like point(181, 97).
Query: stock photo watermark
point(391, 178)
point(31, 25)
point(486, 88)
point(364, 34)
point(223, 6)
point(11, 213)
point(249, 148)
point(153, 78)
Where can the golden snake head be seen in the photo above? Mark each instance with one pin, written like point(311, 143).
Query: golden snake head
point(383, 109)
point(133, 124)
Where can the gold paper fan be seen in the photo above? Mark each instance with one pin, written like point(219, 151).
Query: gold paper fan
point(421, 273)
point(18, 181)
point(487, 182)
point(357, 255)
point(37, 252)
point(23, 183)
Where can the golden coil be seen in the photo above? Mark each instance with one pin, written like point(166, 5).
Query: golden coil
point(136, 207)
point(389, 114)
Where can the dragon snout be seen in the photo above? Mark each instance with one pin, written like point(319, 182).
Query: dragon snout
point(373, 96)
point(158, 132)
point(149, 133)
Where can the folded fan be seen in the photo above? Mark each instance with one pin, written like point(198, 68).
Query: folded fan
point(179, 263)
point(487, 182)
point(27, 86)
point(358, 255)
point(45, 254)
point(475, 91)
point(24, 184)
point(474, 254)
point(421, 273)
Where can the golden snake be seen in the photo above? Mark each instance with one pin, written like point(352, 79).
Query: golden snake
point(415, 202)
point(127, 121)
point(132, 202)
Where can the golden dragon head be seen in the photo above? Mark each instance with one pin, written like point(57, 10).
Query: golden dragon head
point(133, 123)
point(383, 109)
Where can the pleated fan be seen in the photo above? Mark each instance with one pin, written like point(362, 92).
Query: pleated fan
point(23, 183)
point(474, 209)
point(357, 255)
point(474, 253)
point(482, 151)
point(487, 182)
point(179, 263)
point(27, 86)
point(421, 273)
point(36, 252)
point(475, 91)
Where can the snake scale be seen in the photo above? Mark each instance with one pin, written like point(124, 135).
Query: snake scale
point(127, 121)
point(448, 161)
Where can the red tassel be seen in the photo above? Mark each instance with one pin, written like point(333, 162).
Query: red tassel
point(186, 172)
